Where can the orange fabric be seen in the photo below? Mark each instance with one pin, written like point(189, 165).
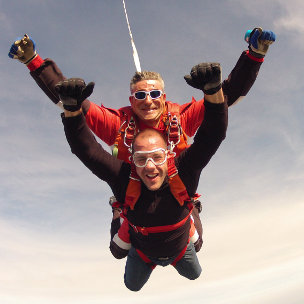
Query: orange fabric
point(133, 193)
point(104, 122)
point(125, 116)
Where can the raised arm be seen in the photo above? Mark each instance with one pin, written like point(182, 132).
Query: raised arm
point(246, 70)
point(238, 83)
point(47, 74)
point(83, 144)
point(206, 77)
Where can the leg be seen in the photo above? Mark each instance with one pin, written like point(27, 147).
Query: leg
point(189, 266)
point(137, 272)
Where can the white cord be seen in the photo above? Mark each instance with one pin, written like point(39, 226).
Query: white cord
point(135, 54)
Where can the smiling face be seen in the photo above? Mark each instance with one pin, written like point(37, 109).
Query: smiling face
point(148, 110)
point(152, 175)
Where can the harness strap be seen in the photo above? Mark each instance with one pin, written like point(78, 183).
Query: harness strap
point(130, 132)
point(158, 229)
point(174, 132)
point(146, 259)
point(153, 265)
point(179, 257)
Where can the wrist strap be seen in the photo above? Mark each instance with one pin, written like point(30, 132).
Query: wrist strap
point(35, 63)
point(213, 90)
point(253, 57)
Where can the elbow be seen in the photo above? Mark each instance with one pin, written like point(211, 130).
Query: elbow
point(117, 252)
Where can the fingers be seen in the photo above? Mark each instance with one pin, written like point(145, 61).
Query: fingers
point(88, 90)
point(268, 37)
point(13, 52)
point(75, 87)
point(205, 76)
point(206, 72)
point(70, 87)
point(256, 33)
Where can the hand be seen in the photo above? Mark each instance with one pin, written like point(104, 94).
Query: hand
point(73, 92)
point(23, 49)
point(259, 42)
point(206, 77)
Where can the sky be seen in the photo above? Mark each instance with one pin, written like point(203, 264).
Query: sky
point(54, 213)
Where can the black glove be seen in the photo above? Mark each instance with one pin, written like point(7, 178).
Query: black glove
point(73, 92)
point(206, 76)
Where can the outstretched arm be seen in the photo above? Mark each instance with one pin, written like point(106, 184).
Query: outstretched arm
point(47, 74)
point(83, 144)
point(245, 72)
point(238, 83)
point(206, 77)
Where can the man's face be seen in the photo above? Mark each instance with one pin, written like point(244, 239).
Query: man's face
point(148, 110)
point(152, 175)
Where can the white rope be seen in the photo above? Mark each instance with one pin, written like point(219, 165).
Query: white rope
point(135, 54)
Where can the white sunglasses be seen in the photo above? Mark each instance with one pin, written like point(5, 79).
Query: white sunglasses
point(141, 95)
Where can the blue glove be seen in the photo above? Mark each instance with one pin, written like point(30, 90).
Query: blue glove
point(23, 49)
point(259, 41)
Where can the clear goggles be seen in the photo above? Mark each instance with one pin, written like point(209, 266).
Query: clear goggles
point(141, 95)
point(157, 156)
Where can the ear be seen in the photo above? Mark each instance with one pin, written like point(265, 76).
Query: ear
point(131, 100)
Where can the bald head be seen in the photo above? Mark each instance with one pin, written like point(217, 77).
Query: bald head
point(147, 137)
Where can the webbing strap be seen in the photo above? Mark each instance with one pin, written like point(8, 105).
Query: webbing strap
point(153, 265)
point(159, 229)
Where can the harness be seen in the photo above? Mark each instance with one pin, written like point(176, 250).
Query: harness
point(180, 193)
point(177, 142)
point(176, 185)
point(169, 124)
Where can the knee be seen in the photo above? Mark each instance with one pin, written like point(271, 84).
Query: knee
point(195, 275)
point(133, 286)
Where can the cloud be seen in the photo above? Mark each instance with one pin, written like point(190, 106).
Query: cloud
point(257, 249)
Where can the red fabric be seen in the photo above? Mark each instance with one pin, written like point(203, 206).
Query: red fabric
point(146, 259)
point(35, 63)
point(104, 122)
point(100, 119)
point(192, 115)
point(123, 232)
point(159, 229)
point(179, 257)
point(254, 58)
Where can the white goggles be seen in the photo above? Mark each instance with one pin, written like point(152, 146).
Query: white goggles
point(141, 95)
point(157, 156)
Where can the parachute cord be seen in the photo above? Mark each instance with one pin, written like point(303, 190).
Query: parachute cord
point(135, 54)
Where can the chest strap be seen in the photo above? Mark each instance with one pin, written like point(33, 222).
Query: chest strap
point(158, 229)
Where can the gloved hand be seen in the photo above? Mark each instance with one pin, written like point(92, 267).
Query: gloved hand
point(73, 92)
point(23, 49)
point(259, 41)
point(206, 77)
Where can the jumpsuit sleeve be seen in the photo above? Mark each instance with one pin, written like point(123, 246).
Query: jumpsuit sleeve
point(206, 142)
point(101, 163)
point(241, 78)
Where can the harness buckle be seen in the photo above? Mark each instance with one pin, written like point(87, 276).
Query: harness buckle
point(141, 230)
point(174, 132)
point(129, 133)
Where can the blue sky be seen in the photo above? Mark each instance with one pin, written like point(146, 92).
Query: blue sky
point(54, 213)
